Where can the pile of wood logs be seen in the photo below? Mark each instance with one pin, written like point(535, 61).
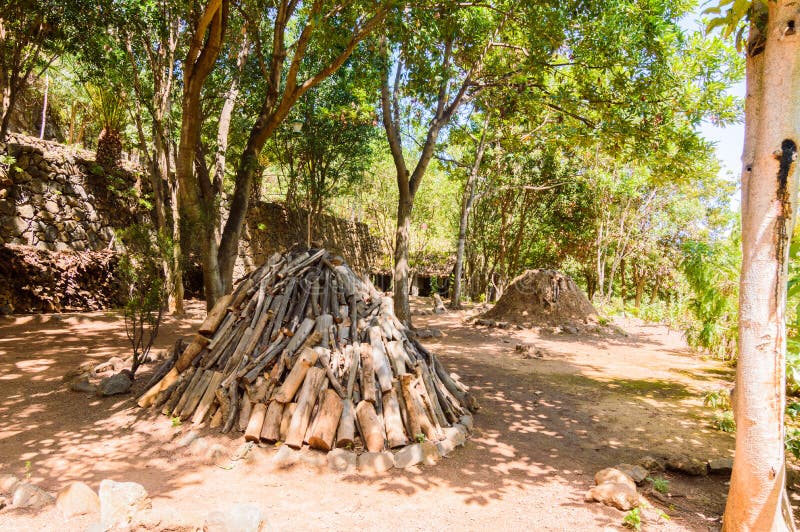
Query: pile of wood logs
point(304, 351)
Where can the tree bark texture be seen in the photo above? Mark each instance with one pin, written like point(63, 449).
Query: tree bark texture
point(757, 498)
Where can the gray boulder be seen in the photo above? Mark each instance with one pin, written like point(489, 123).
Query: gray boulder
point(115, 384)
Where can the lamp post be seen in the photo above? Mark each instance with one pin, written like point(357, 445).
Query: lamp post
point(297, 128)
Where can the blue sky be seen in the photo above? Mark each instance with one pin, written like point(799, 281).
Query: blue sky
point(728, 140)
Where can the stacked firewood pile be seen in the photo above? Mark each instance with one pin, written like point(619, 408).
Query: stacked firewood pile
point(305, 351)
point(37, 280)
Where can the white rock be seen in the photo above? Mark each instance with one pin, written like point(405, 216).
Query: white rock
point(120, 501)
point(236, 518)
point(375, 463)
point(342, 460)
point(77, 499)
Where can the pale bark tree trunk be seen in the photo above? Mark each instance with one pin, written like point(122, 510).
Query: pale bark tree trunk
point(224, 126)
point(161, 61)
point(466, 207)
point(757, 498)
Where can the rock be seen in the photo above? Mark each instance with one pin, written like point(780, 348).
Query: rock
point(720, 466)
point(30, 496)
point(652, 465)
point(115, 385)
point(215, 452)
point(82, 385)
point(188, 438)
point(445, 447)
point(637, 473)
point(313, 457)
point(236, 518)
point(375, 463)
point(25, 211)
point(8, 483)
point(611, 475)
point(457, 434)
point(120, 501)
point(342, 461)
point(688, 466)
point(430, 453)
point(118, 364)
point(77, 499)
point(198, 447)
point(618, 495)
point(285, 457)
point(408, 456)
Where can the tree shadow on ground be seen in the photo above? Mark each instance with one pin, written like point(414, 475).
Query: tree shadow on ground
point(539, 437)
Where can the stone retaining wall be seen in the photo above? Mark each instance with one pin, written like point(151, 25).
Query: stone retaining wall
point(57, 198)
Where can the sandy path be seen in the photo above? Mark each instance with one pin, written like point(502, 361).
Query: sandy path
point(545, 427)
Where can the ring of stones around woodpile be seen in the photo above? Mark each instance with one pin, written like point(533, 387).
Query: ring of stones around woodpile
point(305, 352)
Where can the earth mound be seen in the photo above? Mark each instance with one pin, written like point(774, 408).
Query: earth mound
point(543, 297)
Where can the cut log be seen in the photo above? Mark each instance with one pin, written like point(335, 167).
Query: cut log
point(379, 360)
point(395, 349)
point(296, 376)
point(185, 380)
point(322, 326)
point(208, 398)
point(256, 422)
point(215, 316)
point(305, 405)
point(196, 394)
point(216, 419)
point(346, 434)
point(325, 359)
point(324, 431)
point(305, 329)
point(271, 430)
point(414, 423)
point(354, 358)
point(371, 428)
point(395, 434)
point(286, 419)
point(245, 408)
point(367, 374)
point(424, 374)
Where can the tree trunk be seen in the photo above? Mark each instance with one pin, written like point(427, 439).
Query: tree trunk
point(466, 206)
point(9, 101)
point(402, 307)
point(757, 498)
point(196, 203)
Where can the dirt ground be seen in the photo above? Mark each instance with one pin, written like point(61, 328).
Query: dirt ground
point(545, 427)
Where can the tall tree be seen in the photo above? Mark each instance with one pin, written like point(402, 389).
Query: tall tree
point(33, 34)
point(150, 36)
point(757, 498)
point(196, 200)
point(435, 64)
point(335, 29)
